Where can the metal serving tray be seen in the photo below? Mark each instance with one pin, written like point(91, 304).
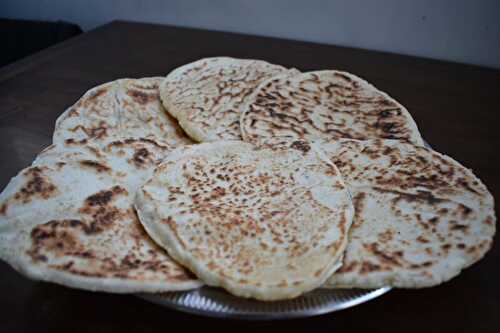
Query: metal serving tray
point(215, 302)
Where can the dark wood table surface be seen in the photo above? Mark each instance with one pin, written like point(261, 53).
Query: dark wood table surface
point(457, 108)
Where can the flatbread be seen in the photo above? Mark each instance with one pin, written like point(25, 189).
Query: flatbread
point(265, 222)
point(69, 219)
point(421, 217)
point(124, 108)
point(325, 105)
point(206, 96)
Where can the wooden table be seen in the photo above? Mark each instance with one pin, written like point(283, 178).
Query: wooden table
point(456, 107)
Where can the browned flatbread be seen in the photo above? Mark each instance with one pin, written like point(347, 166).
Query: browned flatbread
point(69, 219)
point(125, 108)
point(325, 105)
point(267, 222)
point(207, 96)
point(420, 216)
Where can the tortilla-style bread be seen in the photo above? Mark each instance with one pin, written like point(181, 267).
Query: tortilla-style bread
point(125, 108)
point(420, 216)
point(206, 96)
point(325, 105)
point(266, 222)
point(69, 219)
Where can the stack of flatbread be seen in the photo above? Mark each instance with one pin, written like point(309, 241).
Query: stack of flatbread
point(245, 175)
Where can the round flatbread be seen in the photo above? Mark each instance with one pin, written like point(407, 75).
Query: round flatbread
point(420, 218)
point(69, 219)
point(206, 96)
point(266, 222)
point(325, 105)
point(124, 108)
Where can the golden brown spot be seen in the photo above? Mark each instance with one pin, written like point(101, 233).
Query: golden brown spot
point(472, 249)
point(443, 211)
point(318, 272)
point(96, 132)
point(222, 274)
point(359, 203)
point(73, 113)
point(421, 222)
point(58, 239)
point(282, 284)
point(422, 265)
point(218, 192)
point(462, 182)
point(387, 257)
point(348, 268)
point(368, 267)
point(420, 196)
point(141, 97)
point(95, 165)
point(212, 265)
point(74, 142)
point(422, 239)
point(301, 145)
point(455, 226)
point(386, 236)
point(489, 220)
point(133, 140)
point(104, 197)
point(3, 209)
point(446, 247)
point(464, 210)
point(55, 237)
point(97, 207)
point(140, 157)
point(434, 220)
point(37, 185)
point(98, 93)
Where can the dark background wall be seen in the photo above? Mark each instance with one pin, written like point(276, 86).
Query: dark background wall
point(466, 31)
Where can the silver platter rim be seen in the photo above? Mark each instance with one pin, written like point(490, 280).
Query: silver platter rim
point(176, 300)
